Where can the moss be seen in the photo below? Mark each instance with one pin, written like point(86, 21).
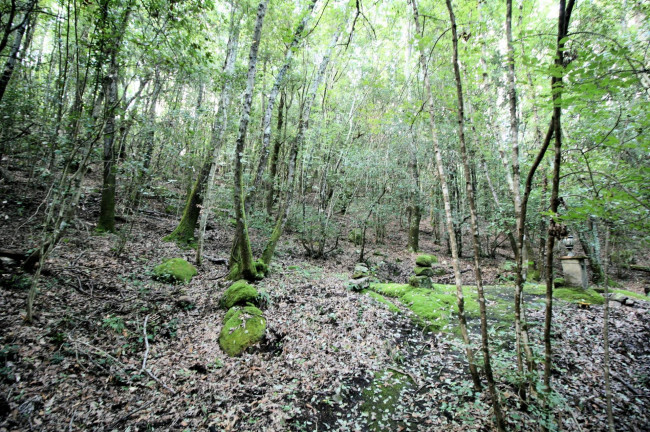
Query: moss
point(578, 295)
point(239, 293)
point(242, 328)
point(383, 300)
point(432, 308)
point(426, 260)
point(420, 282)
point(390, 289)
point(380, 399)
point(261, 268)
point(534, 289)
point(423, 271)
point(174, 270)
point(558, 282)
point(533, 275)
point(631, 294)
point(509, 266)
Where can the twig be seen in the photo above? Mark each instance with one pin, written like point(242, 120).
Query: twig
point(405, 373)
point(146, 354)
point(105, 354)
point(146, 344)
point(576, 421)
point(129, 414)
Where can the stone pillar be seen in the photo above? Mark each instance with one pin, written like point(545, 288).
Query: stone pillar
point(575, 271)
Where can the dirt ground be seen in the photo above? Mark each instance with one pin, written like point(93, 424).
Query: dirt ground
point(79, 365)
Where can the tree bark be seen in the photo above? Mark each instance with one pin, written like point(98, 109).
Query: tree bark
point(14, 55)
point(485, 341)
point(243, 255)
point(445, 194)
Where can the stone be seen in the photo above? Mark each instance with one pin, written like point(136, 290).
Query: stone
point(620, 298)
point(359, 284)
point(239, 293)
point(360, 270)
point(243, 327)
point(420, 282)
point(426, 260)
point(438, 270)
point(185, 301)
point(423, 271)
point(175, 270)
point(575, 271)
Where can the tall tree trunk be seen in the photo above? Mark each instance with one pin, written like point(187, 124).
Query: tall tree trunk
point(242, 255)
point(447, 202)
point(296, 145)
point(268, 112)
point(14, 55)
point(275, 154)
point(606, 361)
point(183, 234)
point(107, 205)
point(485, 341)
point(416, 210)
point(557, 86)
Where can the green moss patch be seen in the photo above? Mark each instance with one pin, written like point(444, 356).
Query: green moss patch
point(423, 271)
point(631, 294)
point(578, 295)
point(394, 290)
point(426, 260)
point(239, 293)
point(242, 328)
point(383, 398)
point(175, 270)
point(383, 300)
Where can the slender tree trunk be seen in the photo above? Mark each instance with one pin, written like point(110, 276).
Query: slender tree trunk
point(485, 341)
point(416, 211)
point(14, 54)
point(243, 256)
point(556, 84)
point(606, 360)
point(275, 154)
point(447, 202)
point(296, 145)
point(107, 205)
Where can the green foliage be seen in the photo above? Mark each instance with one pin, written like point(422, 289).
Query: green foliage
point(175, 270)
point(114, 323)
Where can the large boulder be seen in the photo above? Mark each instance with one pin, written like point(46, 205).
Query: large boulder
point(426, 260)
point(239, 293)
point(174, 270)
point(358, 285)
point(242, 327)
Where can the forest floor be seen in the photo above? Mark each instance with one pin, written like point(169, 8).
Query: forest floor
point(333, 359)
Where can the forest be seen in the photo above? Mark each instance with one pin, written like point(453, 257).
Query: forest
point(325, 215)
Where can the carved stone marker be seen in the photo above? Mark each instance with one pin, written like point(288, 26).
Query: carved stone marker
point(575, 271)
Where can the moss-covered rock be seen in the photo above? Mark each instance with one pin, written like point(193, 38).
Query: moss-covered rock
point(355, 236)
point(360, 271)
point(243, 327)
point(438, 270)
point(578, 295)
point(239, 293)
point(420, 282)
point(423, 271)
point(174, 270)
point(426, 260)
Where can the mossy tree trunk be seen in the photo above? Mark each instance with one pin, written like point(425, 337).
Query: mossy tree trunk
point(447, 203)
point(416, 210)
point(275, 155)
point(114, 35)
point(469, 187)
point(242, 255)
point(183, 235)
point(592, 248)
